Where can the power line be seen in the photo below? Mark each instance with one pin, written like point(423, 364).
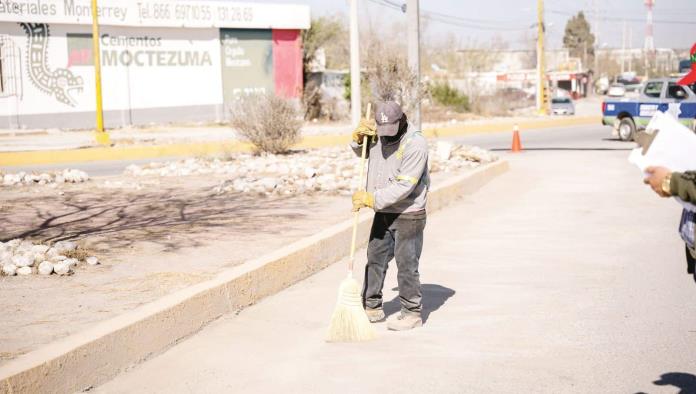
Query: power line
point(456, 23)
point(388, 4)
point(494, 21)
point(466, 23)
point(620, 19)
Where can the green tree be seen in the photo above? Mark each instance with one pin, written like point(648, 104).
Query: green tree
point(448, 96)
point(329, 33)
point(579, 39)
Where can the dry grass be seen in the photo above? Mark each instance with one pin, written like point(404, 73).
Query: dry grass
point(79, 253)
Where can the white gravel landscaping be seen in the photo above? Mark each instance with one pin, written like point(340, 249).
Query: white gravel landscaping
point(56, 177)
point(23, 257)
point(329, 170)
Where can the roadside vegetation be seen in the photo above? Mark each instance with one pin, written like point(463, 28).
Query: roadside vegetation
point(444, 94)
point(272, 124)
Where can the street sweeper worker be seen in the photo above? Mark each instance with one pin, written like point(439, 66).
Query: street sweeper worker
point(397, 189)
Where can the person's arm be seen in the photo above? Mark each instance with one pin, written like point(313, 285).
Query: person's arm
point(683, 185)
point(365, 128)
point(357, 148)
point(413, 165)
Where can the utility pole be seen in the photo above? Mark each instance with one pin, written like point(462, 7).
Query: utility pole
point(597, 43)
point(101, 135)
point(623, 48)
point(413, 22)
point(541, 101)
point(649, 48)
point(355, 105)
point(630, 49)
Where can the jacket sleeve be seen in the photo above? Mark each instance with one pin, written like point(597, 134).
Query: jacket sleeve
point(413, 164)
point(683, 185)
point(357, 148)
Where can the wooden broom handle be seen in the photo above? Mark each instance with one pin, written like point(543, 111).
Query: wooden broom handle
point(356, 218)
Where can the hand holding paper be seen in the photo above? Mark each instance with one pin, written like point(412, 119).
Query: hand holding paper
point(668, 146)
point(673, 145)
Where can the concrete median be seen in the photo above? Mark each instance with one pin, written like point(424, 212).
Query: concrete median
point(96, 355)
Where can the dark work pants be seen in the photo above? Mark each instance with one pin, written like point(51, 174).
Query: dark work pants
point(398, 236)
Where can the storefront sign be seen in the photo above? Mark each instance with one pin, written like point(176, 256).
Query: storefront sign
point(160, 13)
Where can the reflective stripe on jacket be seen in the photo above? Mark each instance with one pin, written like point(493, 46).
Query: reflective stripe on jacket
point(398, 173)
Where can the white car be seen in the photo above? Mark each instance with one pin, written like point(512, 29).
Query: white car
point(616, 90)
point(562, 106)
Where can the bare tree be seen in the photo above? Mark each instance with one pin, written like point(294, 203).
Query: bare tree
point(390, 77)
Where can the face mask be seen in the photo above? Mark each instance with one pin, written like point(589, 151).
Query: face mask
point(403, 127)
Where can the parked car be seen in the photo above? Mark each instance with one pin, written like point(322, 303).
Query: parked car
point(616, 90)
point(602, 85)
point(629, 115)
point(562, 106)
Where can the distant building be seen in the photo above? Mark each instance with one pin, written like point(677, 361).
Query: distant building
point(162, 60)
point(517, 70)
point(662, 60)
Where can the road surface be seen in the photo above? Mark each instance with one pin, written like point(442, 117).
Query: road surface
point(568, 138)
point(564, 138)
point(564, 275)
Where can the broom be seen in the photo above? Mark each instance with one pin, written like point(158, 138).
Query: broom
point(349, 321)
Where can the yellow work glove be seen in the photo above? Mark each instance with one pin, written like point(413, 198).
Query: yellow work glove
point(365, 128)
point(362, 199)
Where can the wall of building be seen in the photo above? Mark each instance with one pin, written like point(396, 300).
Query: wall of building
point(144, 71)
point(287, 62)
point(148, 74)
point(160, 72)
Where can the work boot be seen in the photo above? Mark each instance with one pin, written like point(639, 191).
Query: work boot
point(405, 321)
point(375, 315)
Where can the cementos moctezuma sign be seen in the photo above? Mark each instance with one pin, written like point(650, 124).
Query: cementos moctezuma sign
point(159, 13)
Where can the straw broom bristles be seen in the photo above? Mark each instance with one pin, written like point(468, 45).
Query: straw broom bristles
point(349, 322)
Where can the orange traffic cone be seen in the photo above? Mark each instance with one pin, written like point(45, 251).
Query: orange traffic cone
point(516, 144)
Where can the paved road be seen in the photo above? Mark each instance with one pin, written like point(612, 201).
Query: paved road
point(565, 275)
point(96, 168)
point(568, 138)
point(571, 137)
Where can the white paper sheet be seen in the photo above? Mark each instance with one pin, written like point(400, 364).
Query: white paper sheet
point(674, 147)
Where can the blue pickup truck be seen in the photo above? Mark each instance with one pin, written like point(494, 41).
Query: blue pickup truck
point(663, 94)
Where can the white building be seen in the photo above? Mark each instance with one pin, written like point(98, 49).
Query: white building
point(162, 60)
point(516, 69)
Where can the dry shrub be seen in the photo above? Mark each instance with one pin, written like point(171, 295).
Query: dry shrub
point(490, 105)
point(272, 124)
point(391, 78)
point(311, 100)
point(499, 104)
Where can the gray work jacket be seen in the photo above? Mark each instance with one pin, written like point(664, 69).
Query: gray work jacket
point(397, 173)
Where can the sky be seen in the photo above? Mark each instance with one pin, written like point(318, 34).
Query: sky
point(480, 21)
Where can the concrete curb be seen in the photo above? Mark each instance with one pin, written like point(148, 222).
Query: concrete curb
point(96, 355)
point(221, 147)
